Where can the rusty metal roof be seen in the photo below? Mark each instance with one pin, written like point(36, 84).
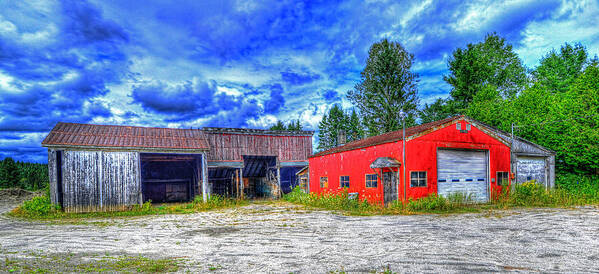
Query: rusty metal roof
point(387, 137)
point(109, 136)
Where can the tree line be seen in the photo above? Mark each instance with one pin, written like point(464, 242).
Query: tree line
point(555, 104)
point(29, 176)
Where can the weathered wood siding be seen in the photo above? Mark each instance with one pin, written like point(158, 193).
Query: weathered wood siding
point(100, 181)
point(232, 147)
point(120, 180)
point(52, 175)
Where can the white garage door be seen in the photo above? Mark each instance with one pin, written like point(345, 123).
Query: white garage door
point(531, 168)
point(462, 171)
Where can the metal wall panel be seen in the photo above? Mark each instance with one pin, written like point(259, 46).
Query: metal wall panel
point(531, 168)
point(462, 171)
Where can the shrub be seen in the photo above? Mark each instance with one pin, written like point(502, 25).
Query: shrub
point(39, 206)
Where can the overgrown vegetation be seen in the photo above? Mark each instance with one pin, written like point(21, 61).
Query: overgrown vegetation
point(29, 176)
point(55, 263)
point(585, 191)
point(40, 208)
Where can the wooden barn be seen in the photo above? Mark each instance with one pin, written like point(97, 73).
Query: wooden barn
point(105, 167)
point(454, 155)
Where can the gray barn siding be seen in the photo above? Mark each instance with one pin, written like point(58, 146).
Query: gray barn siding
point(52, 176)
point(100, 181)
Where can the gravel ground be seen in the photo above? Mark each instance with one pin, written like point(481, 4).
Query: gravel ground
point(286, 238)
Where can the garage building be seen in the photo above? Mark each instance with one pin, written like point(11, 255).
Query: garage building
point(106, 167)
point(454, 155)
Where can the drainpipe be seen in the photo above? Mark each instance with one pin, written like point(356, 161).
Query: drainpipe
point(402, 116)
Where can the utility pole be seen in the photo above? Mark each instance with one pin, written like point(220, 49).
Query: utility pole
point(402, 116)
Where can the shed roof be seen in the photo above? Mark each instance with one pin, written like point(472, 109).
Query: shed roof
point(110, 136)
point(387, 137)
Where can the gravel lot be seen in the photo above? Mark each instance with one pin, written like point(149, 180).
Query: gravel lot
point(285, 238)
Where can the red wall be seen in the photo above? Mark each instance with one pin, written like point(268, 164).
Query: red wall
point(421, 156)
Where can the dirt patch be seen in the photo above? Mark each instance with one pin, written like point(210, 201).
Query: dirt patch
point(279, 237)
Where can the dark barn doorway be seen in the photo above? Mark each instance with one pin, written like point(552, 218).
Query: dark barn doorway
point(289, 178)
point(260, 177)
point(224, 181)
point(169, 177)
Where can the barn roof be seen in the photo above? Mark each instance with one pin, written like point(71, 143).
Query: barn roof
point(387, 137)
point(129, 137)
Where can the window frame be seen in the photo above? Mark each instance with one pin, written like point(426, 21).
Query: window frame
point(425, 179)
point(507, 178)
point(376, 180)
point(341, 181)
point(326, 185)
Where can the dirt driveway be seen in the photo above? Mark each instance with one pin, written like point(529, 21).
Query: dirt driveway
point(286, 238)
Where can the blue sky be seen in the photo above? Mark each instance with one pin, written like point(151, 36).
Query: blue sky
point(237, 63)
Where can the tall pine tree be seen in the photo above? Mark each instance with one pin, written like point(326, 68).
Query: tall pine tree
point(387, 87)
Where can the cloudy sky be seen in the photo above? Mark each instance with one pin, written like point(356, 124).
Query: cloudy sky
point(236, 63)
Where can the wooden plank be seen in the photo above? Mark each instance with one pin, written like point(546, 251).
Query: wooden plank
point(52, 175)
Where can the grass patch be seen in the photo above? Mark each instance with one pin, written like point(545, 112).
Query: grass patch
point(57, 263)
point(40, 208)
point(584, 191)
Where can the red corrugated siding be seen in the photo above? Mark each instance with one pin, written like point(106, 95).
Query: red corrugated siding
point(421, 155)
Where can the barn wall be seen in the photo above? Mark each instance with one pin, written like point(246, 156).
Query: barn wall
point(52, 175)
point(232, 147)
point(100, 181)
point(422, 156)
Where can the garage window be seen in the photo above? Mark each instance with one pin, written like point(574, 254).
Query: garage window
point(503, 178)
point(417, 178)
point(344, 181)
point(371, 180)
point(324, 182)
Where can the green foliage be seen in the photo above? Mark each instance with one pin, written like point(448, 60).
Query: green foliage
point(491, 62)
point(557, 70)
point(294, 125)
point(387, 86)
point(29, 176)
point(336, 121)
point(438, 110)
point(330, 201)
point(39, 206)
point(565, 122)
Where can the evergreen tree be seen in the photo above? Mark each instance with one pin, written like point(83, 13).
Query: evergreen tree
point(278, 126)
point(9, 173)
point(355, 130)
point(387, 87)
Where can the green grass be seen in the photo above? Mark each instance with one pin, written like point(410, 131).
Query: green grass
point(55, 263)
point(40, 208)
point(571, 191)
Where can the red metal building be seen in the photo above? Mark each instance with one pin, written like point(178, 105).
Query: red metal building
point(457, 154)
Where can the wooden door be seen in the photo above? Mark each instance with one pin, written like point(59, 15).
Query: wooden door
point(390, 186)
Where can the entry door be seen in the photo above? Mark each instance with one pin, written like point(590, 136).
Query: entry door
point(462, 171)
point(390, 186)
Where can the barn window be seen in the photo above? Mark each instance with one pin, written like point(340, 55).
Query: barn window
point(417, 178)
point(502, 178)
point(458, 126)
point(371, 180)
point(324, 182)
point(344, 181)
